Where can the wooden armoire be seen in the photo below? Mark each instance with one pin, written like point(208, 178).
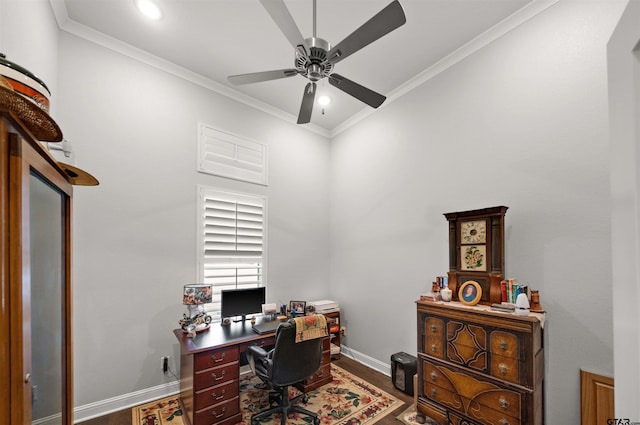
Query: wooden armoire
point(35, 285)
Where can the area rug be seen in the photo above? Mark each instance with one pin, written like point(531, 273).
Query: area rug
point(408, 417)
point(348, 400)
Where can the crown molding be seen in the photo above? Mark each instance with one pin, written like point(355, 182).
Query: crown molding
point(494, 33)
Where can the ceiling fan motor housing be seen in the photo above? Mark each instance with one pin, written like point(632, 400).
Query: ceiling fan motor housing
point(314, 66)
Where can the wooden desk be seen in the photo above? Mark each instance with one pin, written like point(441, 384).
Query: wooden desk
point(210, 371)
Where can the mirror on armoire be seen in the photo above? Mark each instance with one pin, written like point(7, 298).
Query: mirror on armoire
point(47, 221)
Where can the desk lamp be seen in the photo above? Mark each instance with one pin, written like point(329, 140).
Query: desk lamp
point(194, 297)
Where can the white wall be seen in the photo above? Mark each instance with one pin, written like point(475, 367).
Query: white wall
point(624, 75)
point(522, 123)
point(134, 128)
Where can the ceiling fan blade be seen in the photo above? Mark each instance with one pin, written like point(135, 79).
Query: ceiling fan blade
point(283, 19)
point(361, 93)
point(307, 103)
point(388, 19)
point(257, 77)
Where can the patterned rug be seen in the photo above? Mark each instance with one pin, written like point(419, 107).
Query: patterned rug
point(347, 400)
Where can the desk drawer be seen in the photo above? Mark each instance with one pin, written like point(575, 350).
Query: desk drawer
point(218, 412)
point(261, 342)
point(215, 376)
point(216, 395)
point(215, 358)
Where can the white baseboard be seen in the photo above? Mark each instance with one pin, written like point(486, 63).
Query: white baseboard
point(125, 401)
point(374, 364)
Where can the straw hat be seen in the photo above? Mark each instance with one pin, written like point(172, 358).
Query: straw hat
point(77, 176)
point(37, 121)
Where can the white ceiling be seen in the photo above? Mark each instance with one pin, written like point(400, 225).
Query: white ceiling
point(209, 40)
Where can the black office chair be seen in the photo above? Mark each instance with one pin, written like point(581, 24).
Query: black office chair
point(288, 363)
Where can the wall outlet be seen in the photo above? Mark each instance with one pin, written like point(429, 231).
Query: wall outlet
point(164, 365)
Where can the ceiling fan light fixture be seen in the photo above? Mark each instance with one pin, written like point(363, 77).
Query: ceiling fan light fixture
point(324, 100)
point(149, 9)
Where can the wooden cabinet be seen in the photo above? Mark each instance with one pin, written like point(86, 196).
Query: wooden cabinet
point(477, 366)
point(35, 327)
point(335, 333)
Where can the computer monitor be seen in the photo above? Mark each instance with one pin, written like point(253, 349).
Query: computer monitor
point(241, 302)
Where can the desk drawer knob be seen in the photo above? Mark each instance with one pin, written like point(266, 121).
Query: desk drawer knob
point(434, 392)
point(504, 422)
point(503, 368)
point(434, 376)
point(433, 328)
point(221, 414)
point(434, 348)
point(504, 403)
point(216, 377)
point(503, 345)
point(216, 359)
point(220, 397)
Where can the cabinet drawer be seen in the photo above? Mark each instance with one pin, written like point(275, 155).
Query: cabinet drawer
point(469, 395)
point(216, 395)
point(215, 376)
point(505, 368)
point(505, 344)
point(214, 358)
point(218, 412)
point(432, 375)
point(434, 337)
point(322, 373)
point(261, 342)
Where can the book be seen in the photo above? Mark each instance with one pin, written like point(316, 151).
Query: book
point(430, 296)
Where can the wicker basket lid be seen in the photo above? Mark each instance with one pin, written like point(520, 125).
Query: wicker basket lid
point(37, 121)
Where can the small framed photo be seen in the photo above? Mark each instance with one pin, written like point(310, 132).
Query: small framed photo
point(470, 292)
point(299, 307)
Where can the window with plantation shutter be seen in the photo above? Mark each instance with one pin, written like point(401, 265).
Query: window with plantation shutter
point(231, 242)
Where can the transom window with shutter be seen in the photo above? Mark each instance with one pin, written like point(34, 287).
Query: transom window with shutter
point(231, 242)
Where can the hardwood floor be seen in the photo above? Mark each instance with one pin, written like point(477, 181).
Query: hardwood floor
point(376, 378)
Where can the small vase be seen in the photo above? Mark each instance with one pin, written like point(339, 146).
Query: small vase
point(445, 294)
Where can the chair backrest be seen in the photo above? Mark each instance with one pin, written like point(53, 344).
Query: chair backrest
point(292, 361)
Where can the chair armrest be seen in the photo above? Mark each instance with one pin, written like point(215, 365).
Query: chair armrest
point(258, 352)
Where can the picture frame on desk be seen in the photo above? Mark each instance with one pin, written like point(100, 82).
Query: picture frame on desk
point(299, 307)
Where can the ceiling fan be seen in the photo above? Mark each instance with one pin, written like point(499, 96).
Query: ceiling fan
point(315, 58)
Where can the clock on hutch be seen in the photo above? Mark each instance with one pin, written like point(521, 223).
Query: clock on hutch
point(476, 251)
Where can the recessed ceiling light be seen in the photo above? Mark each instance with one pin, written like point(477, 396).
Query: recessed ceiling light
point(149, 9)
point(324, 100)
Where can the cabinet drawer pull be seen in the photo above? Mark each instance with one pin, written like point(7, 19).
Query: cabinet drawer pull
point(433, 328)
point(434, 348)
point(434, 376)
point(218, 360)
point(319, 374)
point(220, 397)
point(224, 409)
point(216, 377)
point(503, 345)
point(503, 368)
point(504, 403)
point(504, 422)
point(434, 392)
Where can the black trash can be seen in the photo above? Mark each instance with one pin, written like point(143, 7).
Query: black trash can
point(403, 367)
